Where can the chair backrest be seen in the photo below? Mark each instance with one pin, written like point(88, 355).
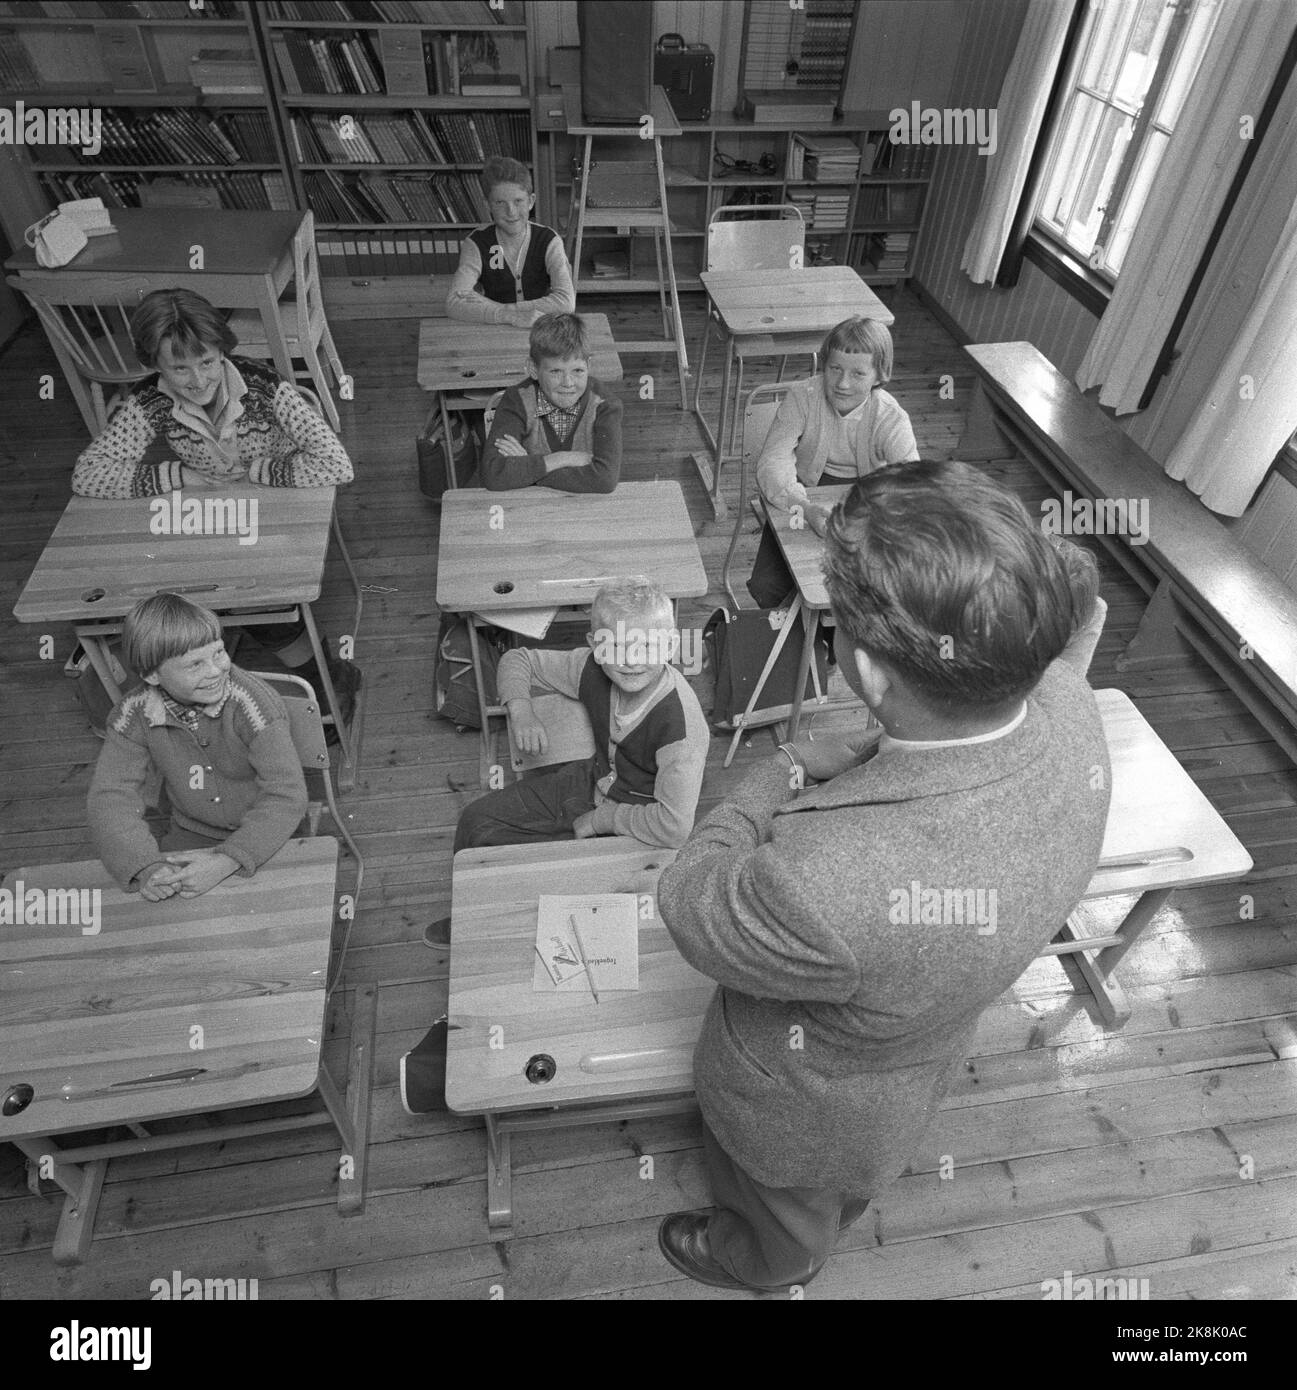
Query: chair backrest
point(759, 411)
point(306, 276)
point(304, 718)
point(96, 335)
point(761, 237)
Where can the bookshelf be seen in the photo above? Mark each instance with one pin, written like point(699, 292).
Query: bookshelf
point(390, 110)
point(180, 96)
point(378, 115)
point(862, 196)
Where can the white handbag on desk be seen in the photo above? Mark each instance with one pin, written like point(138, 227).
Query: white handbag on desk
point(56, 239)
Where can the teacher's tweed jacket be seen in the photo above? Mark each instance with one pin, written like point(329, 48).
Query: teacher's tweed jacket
point(838, 1021)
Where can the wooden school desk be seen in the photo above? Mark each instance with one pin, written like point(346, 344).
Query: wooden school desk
point(537, 548)
point(617, 1059)
point(247, 262)
point(174, 1008)
point(1162, 834)
point(103, 558)
point(456, 357)
point(770, 313)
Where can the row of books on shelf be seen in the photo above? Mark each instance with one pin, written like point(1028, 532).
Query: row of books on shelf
point(884, 159)
point(428, 199)
point(244, 191)
point(416, 138)
point(452, 65)
point(117, 9)
point(889, 203)
point(179, 136)
point(377, 253)
point(881, 251)
point(399, 11)
point(823, 212)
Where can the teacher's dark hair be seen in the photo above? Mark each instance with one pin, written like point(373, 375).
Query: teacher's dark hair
point(941, 575)
point(190, 323)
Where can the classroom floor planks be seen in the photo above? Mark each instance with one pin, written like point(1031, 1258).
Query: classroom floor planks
point(1072, 1149)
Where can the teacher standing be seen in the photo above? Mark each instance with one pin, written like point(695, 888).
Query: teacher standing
point(859, 905)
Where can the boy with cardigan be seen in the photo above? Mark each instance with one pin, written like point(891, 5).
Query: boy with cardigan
point(840, 1012)
point(215, 737)
point(515, 270)
point(559, 427)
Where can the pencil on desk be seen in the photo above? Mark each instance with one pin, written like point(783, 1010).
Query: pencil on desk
point(580, 946)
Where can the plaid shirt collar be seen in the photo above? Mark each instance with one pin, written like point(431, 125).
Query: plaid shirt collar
point(561, 420)
point(160, 706)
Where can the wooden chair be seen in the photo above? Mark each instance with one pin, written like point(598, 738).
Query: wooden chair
point(568, 729)
point(306, 329)
point(758, 415)
point(91, 337)
point(756, 237)
point(306, 725)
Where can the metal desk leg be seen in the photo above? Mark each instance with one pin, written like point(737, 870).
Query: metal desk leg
point(352, 1117)
point(483, 711)
point(351, 571)
point(348, 740)
point(499, 1175)
point(810, 626)
point(83, 1184)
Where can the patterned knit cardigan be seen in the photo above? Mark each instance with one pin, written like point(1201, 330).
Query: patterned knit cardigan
point(281, 442)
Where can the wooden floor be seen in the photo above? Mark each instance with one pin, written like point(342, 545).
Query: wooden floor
point(1168, 1151)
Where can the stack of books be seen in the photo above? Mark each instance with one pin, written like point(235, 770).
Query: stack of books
point(830, 212)
point(823, 159)
point(889, 251)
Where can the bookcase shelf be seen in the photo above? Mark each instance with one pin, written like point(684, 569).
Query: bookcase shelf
point(63, 58)
point(701, 177)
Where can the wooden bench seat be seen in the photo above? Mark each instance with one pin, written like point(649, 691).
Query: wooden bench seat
point(1204, 584)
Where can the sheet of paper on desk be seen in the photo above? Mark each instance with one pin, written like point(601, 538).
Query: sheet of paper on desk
point(608, 927)
point(527, 622)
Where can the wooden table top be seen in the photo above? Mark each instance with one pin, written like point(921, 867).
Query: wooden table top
point(636, 1042)
point(245, 964)
point(107, 549)
point(1156, 806)
point(802, 549)
point(159, 242)
point(555, 548)
point(456, 356)
point(791, 301)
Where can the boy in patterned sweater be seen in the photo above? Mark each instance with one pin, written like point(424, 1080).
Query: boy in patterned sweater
point(215, 737)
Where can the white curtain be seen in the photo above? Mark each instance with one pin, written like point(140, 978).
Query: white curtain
point(1231, 400)
point(1186, 197)
point(1020, 112)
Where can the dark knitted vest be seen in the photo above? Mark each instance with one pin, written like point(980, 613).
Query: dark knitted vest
point(636, 757)
point(499, 285)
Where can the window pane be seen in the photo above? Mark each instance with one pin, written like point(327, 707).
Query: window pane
point(1078, 136)
point(1112, 24)
point(1146, 42)
point(1133, 203)
point(1110, 148)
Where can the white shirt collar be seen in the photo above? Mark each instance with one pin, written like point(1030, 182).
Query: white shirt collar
point(887, 741)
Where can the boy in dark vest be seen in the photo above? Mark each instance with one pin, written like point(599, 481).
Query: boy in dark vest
point(559, 427)
point(643, 781)
point(515, 270)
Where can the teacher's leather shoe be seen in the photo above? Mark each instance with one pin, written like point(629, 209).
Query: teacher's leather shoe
point(682, 1238)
